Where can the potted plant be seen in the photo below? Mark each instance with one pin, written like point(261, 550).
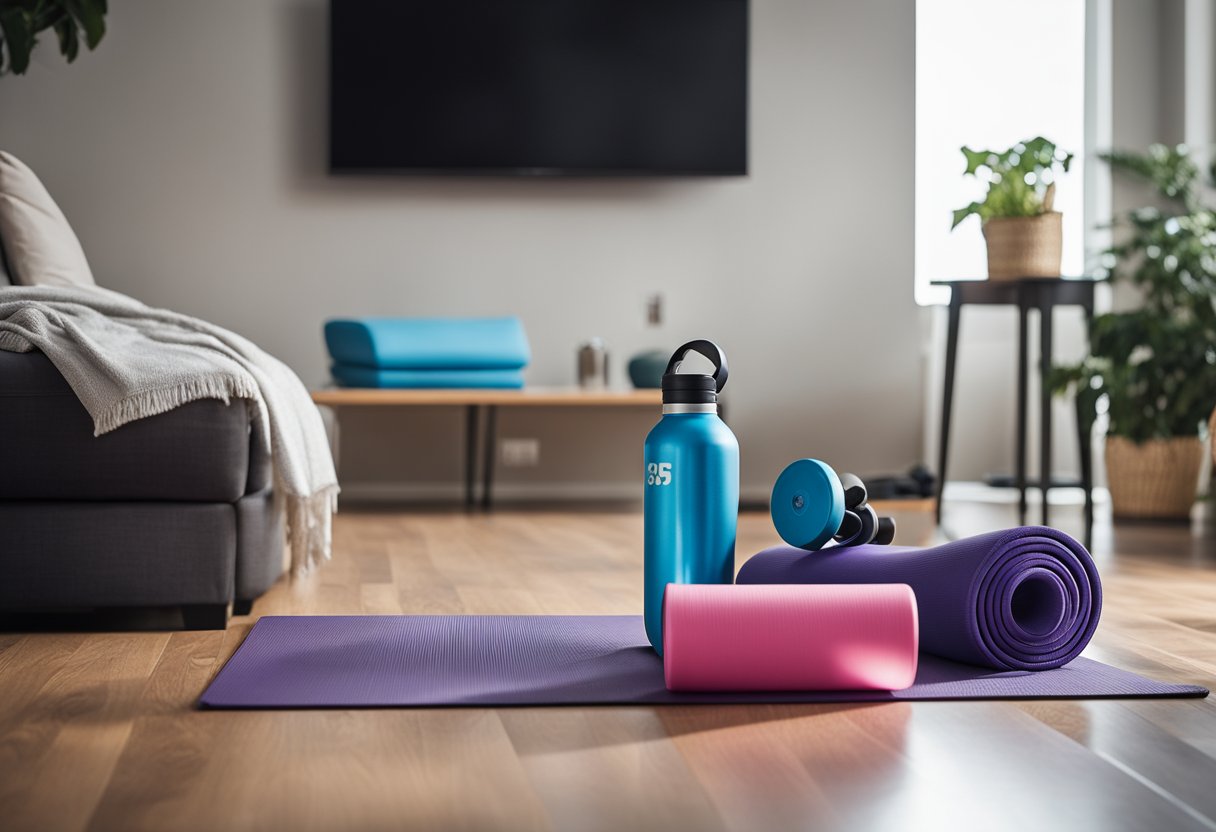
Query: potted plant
point(22, 20)
point(1023, 232)
point(1154, 366)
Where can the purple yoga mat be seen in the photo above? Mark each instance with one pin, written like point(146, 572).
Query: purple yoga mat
point(484, 660)
point(1022, 599)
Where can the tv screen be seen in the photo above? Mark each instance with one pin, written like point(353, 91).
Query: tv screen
point(579, 87)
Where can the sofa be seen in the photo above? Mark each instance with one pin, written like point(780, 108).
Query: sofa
point(172, 510)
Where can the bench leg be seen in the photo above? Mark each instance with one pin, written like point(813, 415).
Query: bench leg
point(470, 454)
point(490, 450)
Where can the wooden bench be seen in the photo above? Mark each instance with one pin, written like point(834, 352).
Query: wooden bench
point(481, 407)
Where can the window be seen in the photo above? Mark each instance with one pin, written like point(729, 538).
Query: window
point(989, 74)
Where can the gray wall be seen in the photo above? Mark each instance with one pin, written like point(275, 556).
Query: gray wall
point(1148, 77)
point(189, 154)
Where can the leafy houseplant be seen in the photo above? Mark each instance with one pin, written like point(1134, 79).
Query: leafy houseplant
point(1155, 365)
point(1023, 233)
point(22, 20)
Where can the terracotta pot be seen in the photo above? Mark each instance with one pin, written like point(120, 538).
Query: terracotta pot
point(1156, 479)
point(1024, 246)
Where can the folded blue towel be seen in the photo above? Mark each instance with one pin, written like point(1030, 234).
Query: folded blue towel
point(429, 343)
point(350, 376)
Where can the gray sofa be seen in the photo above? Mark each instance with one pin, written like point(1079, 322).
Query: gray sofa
point(172, 510)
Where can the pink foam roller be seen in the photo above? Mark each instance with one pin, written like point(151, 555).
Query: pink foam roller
point(789, 637)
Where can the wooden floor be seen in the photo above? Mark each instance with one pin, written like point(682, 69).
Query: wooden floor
point(99, 730)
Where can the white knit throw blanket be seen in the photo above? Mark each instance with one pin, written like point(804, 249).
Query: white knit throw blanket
point(125, 361)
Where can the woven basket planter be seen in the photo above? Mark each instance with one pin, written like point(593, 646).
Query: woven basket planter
point(1024, 246)
point(1154, 480)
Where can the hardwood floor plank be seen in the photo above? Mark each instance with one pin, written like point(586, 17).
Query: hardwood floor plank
point(379, 599)
point(489, 601)
point(1159, 657)
point(87, 709)
point(26, 666)
point(1005, 770)
point(188, 663)
point(321, 770)
point(1193, 724)
point(608, 769)
point(785, 767)
point(1114, 731)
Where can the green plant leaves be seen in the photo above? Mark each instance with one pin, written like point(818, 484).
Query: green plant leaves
point(91, 16)
point(1170, 169)
point(69, 42)
point(961, 214)
point(18, 38)
point(1156, 366)
point(976, 159)
point(22, 20)
point(1018, 179)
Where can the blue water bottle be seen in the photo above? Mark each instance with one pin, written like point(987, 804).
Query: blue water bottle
point(692, 486)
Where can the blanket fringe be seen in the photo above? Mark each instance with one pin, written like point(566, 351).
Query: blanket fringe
point(309, 522)
point(163, 399)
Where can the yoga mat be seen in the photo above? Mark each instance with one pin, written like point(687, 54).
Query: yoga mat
point(480, 660)
point(429, 343)
point(755, 638)
point(1022, 599)
point(349, 375)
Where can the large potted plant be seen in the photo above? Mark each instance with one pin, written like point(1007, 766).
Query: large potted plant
point(1023, 232)
point(1154, 365)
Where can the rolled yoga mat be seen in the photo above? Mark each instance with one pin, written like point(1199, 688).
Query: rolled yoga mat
point(429, 343)
point(384, 661)
point(1022, 599)
point(757, 638)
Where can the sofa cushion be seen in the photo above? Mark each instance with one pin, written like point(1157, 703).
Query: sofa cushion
point(198, 452)
point(41, 248)
point(261, 553)
point(88, 554)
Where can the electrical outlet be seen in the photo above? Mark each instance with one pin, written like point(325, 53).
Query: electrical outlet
point(520, 453)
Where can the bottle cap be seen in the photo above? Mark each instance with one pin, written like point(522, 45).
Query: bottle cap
point(694, 388)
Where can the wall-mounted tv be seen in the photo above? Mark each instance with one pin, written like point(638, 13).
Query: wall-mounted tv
point(539, 87)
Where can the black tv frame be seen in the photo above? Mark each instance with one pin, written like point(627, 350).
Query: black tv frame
point(533, 172)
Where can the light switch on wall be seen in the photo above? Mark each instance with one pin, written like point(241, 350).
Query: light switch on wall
point(654, 310)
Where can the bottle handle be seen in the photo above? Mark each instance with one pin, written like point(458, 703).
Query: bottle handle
point(706, 348)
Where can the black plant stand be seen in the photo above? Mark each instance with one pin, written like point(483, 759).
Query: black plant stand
point(1043, 294)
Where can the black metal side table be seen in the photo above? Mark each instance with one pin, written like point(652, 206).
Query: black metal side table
point(1043, 294)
